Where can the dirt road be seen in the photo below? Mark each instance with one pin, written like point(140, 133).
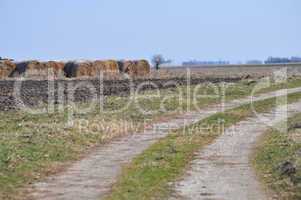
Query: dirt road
point(222, 170)
point(91, 178)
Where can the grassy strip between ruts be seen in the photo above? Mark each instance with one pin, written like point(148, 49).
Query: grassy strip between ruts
point(148, 175)
point(276, 150)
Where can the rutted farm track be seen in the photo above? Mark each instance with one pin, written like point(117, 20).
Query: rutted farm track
point(92, 177)
point(35, 92)
point(222, 170)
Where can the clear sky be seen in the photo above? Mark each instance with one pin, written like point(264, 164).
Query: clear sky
point(179, 29)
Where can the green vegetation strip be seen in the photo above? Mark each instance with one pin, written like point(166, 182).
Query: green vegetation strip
point(278, 160)
point(148, 176)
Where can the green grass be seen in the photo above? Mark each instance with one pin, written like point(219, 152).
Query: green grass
point(33, 146)
point(291, 83)
point(274, 149)
point(148, 175)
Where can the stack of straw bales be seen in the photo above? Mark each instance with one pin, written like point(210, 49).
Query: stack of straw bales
point(56, 67)
point(90, 69)
point(36, 68)
point(73, 69)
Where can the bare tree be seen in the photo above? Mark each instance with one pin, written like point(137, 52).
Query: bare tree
point(158, 60)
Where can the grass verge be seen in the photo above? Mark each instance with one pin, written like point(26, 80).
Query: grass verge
point(148, 175)
point(274, 150)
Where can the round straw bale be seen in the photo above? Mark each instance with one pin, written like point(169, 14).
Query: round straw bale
point(111, 66)
point(57, 67)
point(6, 68)
point(136, 68)
point(70, 69)
point(79, 69)
point(143, 67)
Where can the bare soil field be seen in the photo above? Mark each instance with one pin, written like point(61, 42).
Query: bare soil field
point(228, 71)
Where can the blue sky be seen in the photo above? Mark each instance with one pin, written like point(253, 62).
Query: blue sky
point(181, 30)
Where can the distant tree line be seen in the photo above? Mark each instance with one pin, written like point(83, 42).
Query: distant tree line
point(270, 60)
point(196, 62)
point(254, 62)
point(273, 60)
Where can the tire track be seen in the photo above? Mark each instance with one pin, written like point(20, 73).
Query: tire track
point(92, 177)
point(222, 170)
